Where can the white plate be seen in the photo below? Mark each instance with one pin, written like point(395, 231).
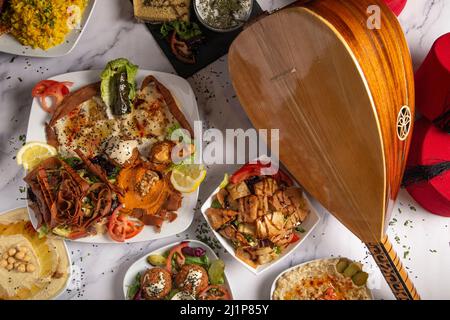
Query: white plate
point(308, 225)
point(272, 289)
point(69, 261)
point(9, 44)
point(185, 97)
point(141, 265)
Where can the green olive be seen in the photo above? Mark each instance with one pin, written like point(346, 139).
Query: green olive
point(352, 269)
point(360, 278)
point(156, 260)
point(342, 265)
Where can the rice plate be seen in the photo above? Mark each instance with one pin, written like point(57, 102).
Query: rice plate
point(42, 23)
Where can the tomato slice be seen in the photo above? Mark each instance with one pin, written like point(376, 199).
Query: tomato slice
point(131, 227)
point(51, 89)
point(210, 293)
point(120, 228)
point(180, 256)
point(294, 238)
point(255, 169)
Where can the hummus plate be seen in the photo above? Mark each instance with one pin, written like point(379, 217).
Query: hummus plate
point(30, 267)
point(318, 280)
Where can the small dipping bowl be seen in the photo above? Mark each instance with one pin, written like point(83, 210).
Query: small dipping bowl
point(242, 20)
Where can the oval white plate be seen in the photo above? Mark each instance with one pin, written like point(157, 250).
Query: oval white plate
point(9, 44)
point(69, 261)
point(272, 289)
point(185, 97)
point(308, 225)
point(141, 264)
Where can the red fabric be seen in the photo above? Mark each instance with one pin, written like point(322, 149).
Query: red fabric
point(429, 146)
point(432, 80)
point(396, 5)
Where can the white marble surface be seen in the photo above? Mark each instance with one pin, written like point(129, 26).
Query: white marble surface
point(423, 239)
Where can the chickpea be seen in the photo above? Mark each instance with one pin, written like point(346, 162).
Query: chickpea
point(30, 267)
point(22, 249)
point(5, 256)
point(11, 260)
point(12, 252)
point(21, 268)
point(16, 264)
point(3, 263)
point(27, 258)
point(20, 255)
point(9, 267)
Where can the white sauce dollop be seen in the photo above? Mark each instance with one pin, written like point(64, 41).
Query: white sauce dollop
point(119, 150)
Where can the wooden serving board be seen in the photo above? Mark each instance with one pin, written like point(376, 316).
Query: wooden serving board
point(342, 96)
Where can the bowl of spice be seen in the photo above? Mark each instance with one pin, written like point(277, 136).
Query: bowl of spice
point(223, 15)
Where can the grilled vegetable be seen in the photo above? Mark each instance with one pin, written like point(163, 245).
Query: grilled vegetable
point(118, 86)
point(120, 94)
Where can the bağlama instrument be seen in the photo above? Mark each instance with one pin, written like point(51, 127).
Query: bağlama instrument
point(336, 78)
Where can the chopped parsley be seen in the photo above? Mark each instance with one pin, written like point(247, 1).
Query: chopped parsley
point(216, 204)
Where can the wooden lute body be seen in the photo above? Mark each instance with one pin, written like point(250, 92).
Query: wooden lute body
point(342, 96)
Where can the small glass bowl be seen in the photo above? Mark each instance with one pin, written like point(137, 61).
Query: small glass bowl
point(239, 25)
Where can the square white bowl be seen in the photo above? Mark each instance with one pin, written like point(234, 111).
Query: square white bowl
point(308, 225)
point(9, 44)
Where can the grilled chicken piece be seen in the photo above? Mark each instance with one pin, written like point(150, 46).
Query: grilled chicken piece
point(263, 205)
point(221, 196)
point(292, 204)
point(283, 239)
point(247, 255)
point(218, 217)
point(247, 228)
point(265, 255)
point(161, 152)
point(230, 233)
point(270, 225)
point(238, 191)
point(265, 187)
point(248, 208)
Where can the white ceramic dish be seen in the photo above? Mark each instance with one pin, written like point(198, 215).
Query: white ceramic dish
point(141, 264)
point(69, 261)
point(308, 225)
point(272, 289)
point(185, 97)
point(9, 44)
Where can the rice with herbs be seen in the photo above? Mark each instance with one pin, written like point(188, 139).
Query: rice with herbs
point(42, 23)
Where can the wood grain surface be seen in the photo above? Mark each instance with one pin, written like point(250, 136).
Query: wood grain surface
point(334, 88)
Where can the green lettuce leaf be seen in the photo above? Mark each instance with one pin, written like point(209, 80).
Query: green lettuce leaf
point(116, 67)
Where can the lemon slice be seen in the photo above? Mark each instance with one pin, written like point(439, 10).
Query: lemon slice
point(33, 153)
point(187, 178)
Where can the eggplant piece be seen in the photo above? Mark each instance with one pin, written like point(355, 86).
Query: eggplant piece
point(120, 86)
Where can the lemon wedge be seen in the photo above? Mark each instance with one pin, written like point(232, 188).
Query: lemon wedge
point(33, 153)
point(187, 178)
